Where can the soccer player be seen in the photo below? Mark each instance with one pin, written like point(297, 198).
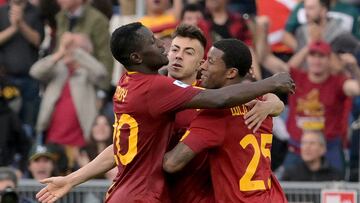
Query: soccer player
point(186, 53)
point(145, 105)
point(192, 183)
point(239, 158)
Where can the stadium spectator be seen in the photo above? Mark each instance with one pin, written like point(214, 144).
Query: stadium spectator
point(100, 138)
point(318, 26)
point(160, 16)
point(147, 57)
point(346, 14)
point(21, 33)
point(80, 17)
point(192, 14)
point(48, 10)
point(320, 102)
point(13, 139)
point(222, 24)
point(313, 166)
point(68, 108)
point(162, 19)
point(8, 185)
point(41, 163)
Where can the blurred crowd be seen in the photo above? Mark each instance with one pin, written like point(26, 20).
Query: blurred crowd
point(57, 77)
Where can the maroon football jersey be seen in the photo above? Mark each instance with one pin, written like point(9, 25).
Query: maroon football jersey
point(193, 182)
point(239, 159)
point(145, 107)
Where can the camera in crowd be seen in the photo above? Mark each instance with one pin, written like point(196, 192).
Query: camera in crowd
point(9, 195)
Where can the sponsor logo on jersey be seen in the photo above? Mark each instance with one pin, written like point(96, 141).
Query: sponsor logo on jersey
point(180, 84)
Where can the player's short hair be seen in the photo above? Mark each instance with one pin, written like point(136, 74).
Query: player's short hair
point(124, 41)
point(190, 8)
point(236, 55)
point(190, 31)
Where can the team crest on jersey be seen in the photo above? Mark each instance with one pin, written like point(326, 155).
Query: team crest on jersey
point(180, 84)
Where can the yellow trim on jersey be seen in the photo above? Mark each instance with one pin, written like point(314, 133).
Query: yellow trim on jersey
point(185, 135)
point(194, 84)
point(132, 72)
point(197, 87)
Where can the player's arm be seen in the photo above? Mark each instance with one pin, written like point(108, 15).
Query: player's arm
point(177, 158)
point(57, 187)
point(241, 93)
point(270, 106)
point(206, 131)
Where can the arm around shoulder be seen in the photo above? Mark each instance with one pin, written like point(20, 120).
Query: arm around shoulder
point(237, 94)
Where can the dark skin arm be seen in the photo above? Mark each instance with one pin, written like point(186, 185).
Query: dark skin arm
point(177, 158)
point(233, 95)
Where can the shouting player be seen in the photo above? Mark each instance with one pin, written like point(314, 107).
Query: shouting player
point(145, 105)
point(239, 158)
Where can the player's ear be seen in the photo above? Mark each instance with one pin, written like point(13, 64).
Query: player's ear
point(232, 73)
point(135, 58)
point(200, 63)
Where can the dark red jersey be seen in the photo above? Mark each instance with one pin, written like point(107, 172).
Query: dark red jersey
point(145, 107)
point(239, 159)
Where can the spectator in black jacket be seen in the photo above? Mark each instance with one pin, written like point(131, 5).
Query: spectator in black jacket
point(12, 138)
point(314, 166)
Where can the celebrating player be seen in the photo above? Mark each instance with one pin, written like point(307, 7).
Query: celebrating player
point(239, 158)
point(145, 104)
point(193, 183)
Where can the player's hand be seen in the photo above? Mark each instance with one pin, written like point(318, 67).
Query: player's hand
point(258, 113)
point(284, 83)
point(56, 188)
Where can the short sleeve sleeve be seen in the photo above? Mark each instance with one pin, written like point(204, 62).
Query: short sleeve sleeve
point(168, 95)
point(207, 130)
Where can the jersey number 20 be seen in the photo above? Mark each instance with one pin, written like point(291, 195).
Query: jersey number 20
point(132, 140)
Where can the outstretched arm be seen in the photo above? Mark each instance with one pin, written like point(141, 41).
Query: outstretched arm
point(233, 95)
point(57, 187)
point(177, 158)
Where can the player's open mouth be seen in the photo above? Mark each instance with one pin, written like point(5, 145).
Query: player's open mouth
point(176, 65)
